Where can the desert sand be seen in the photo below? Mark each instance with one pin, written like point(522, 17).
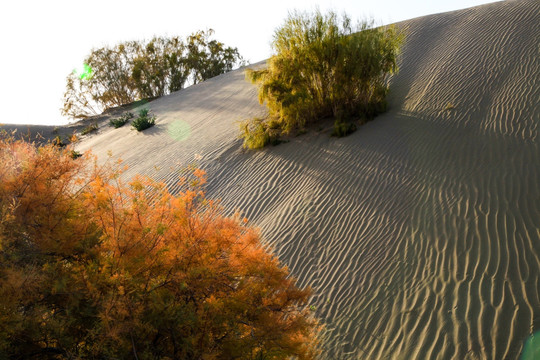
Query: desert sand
point(420, 232)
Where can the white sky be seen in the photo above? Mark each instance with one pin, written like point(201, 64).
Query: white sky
point(43, 41)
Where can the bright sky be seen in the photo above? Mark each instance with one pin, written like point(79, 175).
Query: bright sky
point(43, 41)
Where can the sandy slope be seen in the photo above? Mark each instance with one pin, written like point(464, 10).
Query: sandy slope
point(421, 231)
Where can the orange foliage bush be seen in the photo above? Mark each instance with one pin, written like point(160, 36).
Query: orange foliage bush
point(91, 267)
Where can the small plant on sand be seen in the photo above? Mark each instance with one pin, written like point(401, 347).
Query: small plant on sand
point(121, 121)
point(257, 133)
point(89, 129)
point(75, 154)
point(449, 106)
point(58, 141)
point(342, 128)
point(144, 121)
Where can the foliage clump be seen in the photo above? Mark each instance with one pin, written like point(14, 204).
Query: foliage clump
point(343, 128)
point(135, 70)
point(89, 129)
point(324, 67)
point(143, 121)
point(94, 268)
point(59, 141)
point(75, 154)
point(121, 121)
point(257, 133)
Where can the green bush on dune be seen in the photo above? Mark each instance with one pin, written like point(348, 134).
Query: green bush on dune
point(144, 121)
point(323, 67)
point(257, 133)
point(342, 128)
point(121, 121)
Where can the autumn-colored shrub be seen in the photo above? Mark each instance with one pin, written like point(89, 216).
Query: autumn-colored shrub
point(94, 268)
point(323, 66)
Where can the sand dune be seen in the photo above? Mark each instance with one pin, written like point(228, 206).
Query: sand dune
point(421, 231)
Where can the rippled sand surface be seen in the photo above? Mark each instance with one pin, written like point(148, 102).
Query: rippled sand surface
point(421, 231)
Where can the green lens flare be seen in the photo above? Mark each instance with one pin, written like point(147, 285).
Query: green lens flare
point(531, 350)
point(85, 73)
point(179, 130)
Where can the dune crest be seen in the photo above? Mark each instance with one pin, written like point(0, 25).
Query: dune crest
point(420, 231)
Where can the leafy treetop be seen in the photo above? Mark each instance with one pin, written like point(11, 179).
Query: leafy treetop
point(135, 70)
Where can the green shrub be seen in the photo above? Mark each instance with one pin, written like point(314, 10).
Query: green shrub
point(257, 134)
point(75, 154)
point(121, 121)
point(325, 67)
point(144, 121)
point(89, 129)
point(116, 123)
point(143, 112)
point(342, 128)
